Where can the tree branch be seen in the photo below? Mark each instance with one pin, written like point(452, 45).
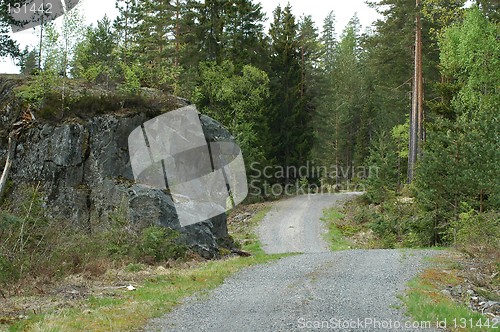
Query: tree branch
point(8, 163)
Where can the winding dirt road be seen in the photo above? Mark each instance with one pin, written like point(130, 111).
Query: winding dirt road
point(353, 290)
point(294, 224)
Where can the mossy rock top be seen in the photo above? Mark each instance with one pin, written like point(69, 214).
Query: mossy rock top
point(75, 100)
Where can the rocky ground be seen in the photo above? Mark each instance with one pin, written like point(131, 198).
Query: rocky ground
point(478, 288)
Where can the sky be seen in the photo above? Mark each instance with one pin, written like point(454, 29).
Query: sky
point(94, 10)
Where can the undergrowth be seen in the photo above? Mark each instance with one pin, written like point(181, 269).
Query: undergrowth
point(36, 250)
point(130, 310)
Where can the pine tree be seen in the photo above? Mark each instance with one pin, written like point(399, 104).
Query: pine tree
point(390, 62)
point(460, 162)
point(155, 43)
point(329, 42)
point(124, 26)
point(339, 113)
point(325, 147)
point(290, 146)
point(244, 34)
point(95, 57)
point(28, 61)
point(8, 46)
point(309, 55)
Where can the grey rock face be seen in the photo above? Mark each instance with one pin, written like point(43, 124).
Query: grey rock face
point(85, 174)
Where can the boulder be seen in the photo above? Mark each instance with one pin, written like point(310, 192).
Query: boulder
point(83, 166)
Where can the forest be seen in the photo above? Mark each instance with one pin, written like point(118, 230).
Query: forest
point(402, 117)
point(295, 95)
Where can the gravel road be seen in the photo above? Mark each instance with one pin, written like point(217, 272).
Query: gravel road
point(352, 290)
point(294, 225)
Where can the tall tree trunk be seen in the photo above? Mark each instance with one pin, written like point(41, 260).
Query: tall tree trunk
point(8, 164)
point(420, 87)
point(337, 186)
point(302, 74)
point(40, 44)
point(177, 34)
point(416, 118)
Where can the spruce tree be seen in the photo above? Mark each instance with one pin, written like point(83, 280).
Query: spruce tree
point(289, 144)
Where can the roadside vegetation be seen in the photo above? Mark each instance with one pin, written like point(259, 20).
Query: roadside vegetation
point(442, 296)
point(336, 235)
point(112, 280)
point(461, 286)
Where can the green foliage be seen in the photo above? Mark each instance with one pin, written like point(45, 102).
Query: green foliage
point(160, 243)
point(21, 248)
point(132, 78)
point(95, 59)
point(289, 119)
point(28, 61)
point(400, 135)
point(8, 46)
point(341, 121)
point(39, 88)
point(476, 233)
point(32, 245)
point(238, 101)
point(335, 235)
point(441, 14)
point(70, 36)
point(462, 154)
point(383, 183)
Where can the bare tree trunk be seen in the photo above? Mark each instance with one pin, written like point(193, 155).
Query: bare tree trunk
point(177, 34)
point(420, 87)
point(417, 101)
point(337, 187)
point(8, 164)
point(40, 45)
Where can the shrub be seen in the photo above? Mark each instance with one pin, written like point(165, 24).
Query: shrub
point(476, 233)
point(34, 246)
point(160, 243)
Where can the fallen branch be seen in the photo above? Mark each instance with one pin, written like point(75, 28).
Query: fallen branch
point(241, 253)
point(8, 164)
point(26, 119)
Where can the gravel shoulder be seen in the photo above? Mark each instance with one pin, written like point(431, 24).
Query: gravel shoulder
point(317, 290)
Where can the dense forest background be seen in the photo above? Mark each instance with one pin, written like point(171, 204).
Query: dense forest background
point(297, 95)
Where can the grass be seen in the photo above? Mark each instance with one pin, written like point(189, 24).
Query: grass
point(425, 302)
point(131, 310)
point(335, 236)
point(244, 233)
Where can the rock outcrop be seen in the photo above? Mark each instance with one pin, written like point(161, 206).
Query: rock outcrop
point(83, 167)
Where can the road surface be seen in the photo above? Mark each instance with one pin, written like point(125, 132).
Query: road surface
point(353, 290)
